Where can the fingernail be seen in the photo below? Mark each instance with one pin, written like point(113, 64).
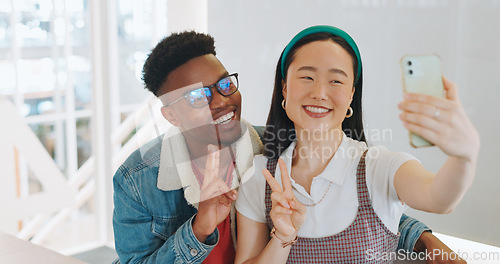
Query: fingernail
point(211, 148)
point(234, 196)
point(406, 96)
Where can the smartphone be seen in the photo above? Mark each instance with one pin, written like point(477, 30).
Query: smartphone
point(422, 74)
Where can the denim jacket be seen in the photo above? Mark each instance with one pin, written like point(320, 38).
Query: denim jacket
point(155, 207)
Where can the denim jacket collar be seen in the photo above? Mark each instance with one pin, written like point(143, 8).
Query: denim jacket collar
point(173, 165)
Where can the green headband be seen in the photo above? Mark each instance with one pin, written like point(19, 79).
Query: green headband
point(317, 29)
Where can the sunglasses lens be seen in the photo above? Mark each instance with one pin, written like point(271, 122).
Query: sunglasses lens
point(228, 85)
point(200, 97)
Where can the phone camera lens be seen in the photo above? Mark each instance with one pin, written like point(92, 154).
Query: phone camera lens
point(409, 63)
point(410, 72)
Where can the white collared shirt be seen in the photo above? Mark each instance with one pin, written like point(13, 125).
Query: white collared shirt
point(338, 209)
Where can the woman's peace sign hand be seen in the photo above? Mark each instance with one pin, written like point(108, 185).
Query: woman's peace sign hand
point(288, 213)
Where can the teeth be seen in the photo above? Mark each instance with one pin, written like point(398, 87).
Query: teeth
point(316, 109)
point(223, 119)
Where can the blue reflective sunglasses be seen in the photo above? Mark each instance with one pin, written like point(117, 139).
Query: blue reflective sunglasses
point(201, 97)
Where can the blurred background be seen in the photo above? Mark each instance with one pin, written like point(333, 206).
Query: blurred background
point(72, 70)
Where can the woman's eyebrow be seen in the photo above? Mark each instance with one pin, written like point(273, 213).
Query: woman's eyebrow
point(314, 69)
point(307, 68)
point(338, 71)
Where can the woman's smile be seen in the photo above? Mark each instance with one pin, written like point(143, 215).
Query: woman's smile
point(315, 111)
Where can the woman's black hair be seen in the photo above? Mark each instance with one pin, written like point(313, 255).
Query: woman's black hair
point(280, 131)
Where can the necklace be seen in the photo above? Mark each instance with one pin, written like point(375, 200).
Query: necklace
point(320, 200)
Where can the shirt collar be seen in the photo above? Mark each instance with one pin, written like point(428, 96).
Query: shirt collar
point(339, 166)
point(175, 171)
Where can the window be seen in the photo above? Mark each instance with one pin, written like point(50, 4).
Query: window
point(46, 70)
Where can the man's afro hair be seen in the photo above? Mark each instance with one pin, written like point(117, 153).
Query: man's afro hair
point(172, 52)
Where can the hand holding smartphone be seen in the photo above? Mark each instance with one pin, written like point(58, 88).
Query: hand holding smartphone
point(422, 74)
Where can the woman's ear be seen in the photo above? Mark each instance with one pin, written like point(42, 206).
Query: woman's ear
point(283, 91)
point(170, 115)
point(352, 93)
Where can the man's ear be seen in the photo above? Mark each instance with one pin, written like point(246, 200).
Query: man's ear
point(170, 115)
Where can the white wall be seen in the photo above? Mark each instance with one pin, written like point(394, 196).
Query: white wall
point(250, 36)
point(187, 15)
